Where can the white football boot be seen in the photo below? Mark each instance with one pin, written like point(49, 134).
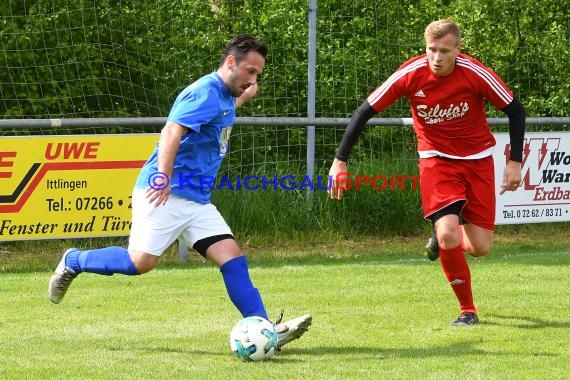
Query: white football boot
point(292, 329)
point(61, 279)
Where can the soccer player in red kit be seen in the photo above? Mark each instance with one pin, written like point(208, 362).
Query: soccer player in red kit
point(447, 91)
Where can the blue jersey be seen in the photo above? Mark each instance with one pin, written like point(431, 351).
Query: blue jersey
point(207, 109)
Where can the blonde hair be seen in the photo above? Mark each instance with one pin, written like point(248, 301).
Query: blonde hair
point(440, 28)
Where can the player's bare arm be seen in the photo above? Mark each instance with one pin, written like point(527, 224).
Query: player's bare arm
point(511, 176)
point(338, 168)
point(249, 93)
point(168, 146)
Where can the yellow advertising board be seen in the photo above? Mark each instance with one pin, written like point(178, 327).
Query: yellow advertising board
point(69, 186)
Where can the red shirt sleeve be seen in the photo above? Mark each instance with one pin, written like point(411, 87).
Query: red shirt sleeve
point(490, 85)
point(396, 86)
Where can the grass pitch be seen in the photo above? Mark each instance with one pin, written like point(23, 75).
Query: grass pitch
point(380, 310)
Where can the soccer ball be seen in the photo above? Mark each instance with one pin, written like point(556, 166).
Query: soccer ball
point(253, 339)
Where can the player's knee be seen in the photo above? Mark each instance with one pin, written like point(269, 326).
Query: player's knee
point(144, 262)
point(448, 238)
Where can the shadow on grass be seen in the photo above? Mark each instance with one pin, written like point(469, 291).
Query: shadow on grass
point(545, 247)
point(460, 349)
point(523, 322)
point(348, 353)
point(14, 263)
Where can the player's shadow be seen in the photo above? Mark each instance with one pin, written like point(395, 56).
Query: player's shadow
point(523, 322)
point(171, 350)
point(354, 353)
point(459, 349)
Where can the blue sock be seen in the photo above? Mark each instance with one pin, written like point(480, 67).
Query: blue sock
point(106, 261)
point(240, 288)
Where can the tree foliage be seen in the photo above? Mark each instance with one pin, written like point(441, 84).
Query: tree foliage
point(80, 58)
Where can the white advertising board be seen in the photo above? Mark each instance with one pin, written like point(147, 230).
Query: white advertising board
point(545, 192)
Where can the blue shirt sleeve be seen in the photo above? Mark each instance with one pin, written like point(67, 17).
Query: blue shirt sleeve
point(194, 107)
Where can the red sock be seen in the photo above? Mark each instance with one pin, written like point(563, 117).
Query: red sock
point(457, 272)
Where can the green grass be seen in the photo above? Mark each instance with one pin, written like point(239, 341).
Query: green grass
point(381, 311)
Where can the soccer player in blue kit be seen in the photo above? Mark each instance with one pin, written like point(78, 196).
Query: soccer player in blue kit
point(169, 202)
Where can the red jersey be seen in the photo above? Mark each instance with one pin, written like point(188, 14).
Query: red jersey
point(448, 112)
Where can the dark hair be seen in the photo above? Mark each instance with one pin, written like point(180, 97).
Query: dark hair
point(240, 45)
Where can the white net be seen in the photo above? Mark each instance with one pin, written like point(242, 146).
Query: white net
point(129, 58)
